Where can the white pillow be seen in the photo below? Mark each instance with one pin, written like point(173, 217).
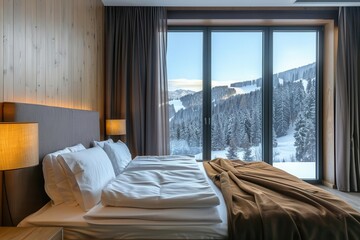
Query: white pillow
point(56, 185)
point(101, 143)
point(50, 170)
point(88, 172)
point(76, 148)
point(119, 155)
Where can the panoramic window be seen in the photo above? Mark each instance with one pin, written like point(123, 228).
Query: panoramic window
point(249, 94)
point(236, 102)
point(295, 102)
point(185, 80)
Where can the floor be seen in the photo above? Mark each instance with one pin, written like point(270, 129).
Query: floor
point(352, 198)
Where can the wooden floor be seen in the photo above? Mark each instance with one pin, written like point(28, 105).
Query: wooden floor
point(352, 198)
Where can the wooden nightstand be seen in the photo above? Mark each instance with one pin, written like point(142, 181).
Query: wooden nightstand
point(39, 233)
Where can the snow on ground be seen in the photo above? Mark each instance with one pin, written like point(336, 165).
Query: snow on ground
point(284, 157)
point(304, 170)
point(177, 104)
point(256, 153)
point(246, 89)
point(285, 150)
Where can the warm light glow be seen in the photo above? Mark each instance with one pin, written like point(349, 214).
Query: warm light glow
point(115, 127)
point(19, 145)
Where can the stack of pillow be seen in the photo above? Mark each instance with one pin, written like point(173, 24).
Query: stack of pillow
point(76, 175)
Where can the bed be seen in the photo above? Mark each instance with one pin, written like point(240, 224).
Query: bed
point(135, 223)
point(76, 126)
point(60, 128)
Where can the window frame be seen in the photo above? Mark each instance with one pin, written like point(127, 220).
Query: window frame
point(267, 86)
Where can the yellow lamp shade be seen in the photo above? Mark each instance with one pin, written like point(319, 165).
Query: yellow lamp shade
point(19, 145)
point(115, 127)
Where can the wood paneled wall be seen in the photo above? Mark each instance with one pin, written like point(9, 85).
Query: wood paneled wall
point(52, 53)
point(330, 49)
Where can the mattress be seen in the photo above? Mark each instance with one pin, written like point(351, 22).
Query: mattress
point(71, 218)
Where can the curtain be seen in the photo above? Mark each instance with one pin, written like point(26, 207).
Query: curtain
point(136, 79)
point(347, 101)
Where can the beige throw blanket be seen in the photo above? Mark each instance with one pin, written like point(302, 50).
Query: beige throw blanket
point(264, 202)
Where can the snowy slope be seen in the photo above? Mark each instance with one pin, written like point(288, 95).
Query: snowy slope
point(177, 104)
point(246, 89)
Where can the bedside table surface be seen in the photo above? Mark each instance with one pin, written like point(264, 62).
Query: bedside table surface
point(39, 233)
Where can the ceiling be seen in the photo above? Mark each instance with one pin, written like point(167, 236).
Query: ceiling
point(232, 3)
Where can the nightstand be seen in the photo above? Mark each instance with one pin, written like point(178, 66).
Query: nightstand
point(38, 233)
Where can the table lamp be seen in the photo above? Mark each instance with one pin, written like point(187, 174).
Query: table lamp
point(115, 127)
point(19, 148)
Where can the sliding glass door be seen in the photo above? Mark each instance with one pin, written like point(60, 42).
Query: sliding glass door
point(236, 94)
point(247, 93)
point(295, 108)
point(185, 81)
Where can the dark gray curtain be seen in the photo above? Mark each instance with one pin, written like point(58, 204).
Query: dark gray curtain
point(136, 79)
point(347, 101)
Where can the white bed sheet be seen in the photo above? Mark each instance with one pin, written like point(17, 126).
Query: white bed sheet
point(100, 215)
point(76, 227)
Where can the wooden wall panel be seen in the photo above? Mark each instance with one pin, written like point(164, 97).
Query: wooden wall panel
point(57, 61)
point(100, 58)
point(19, 50)
point(330, 46)
point(78, 53)
point(41, 52)
point(1, 50)
point(31, 53)
point(52, 52)
point(8, 51)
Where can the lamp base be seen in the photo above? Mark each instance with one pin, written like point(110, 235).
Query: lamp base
point(4, 203)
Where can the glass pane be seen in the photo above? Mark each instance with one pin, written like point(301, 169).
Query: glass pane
point(184, 67)
point(294, 103)
point(236, 98)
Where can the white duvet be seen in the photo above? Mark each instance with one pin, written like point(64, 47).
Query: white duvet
point(160, 182)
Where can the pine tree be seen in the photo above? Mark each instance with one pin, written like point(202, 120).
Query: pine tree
point(236, 130)
point(216, 139)
point(247, 153)
point(298, 95)
point(300, 136)
point(178, 133)
point(247, 126)
point(232, 151)
point(281, 111)
point(256, 130)
point(310, 102)
point(197, 133)
point(274, 137)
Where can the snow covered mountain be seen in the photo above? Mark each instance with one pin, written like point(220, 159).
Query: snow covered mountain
point(177, 94)
point(236, 113)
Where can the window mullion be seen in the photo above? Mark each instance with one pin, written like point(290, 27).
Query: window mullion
point(207, 94)
point(267, 96)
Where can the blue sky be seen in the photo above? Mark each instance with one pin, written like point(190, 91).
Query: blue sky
point(236, 56)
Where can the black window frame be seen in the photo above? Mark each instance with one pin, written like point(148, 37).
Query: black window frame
point(267, 85)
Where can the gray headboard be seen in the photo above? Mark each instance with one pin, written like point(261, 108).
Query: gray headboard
point(58, 128)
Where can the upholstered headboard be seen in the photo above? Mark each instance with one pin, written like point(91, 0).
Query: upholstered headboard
point(58, 128)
